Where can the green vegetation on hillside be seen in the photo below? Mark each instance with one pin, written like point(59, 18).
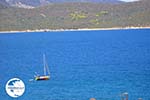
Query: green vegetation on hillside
point(76, 15)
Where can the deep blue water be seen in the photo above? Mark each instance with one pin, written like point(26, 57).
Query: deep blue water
point(83, 64)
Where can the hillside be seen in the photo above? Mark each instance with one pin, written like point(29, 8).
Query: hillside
point(76, 15)
point(3, 4)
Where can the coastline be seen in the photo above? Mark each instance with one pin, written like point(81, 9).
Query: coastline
point(80, 29)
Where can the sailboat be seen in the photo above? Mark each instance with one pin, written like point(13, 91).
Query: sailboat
point(46, 75)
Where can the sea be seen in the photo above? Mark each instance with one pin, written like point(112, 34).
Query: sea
point(100, 64)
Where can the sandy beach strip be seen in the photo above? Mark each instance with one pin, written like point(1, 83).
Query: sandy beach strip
point(80, 29)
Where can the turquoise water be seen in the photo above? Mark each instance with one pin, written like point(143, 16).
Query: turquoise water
point(83, 64)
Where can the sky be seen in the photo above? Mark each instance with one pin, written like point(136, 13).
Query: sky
point(129, 0)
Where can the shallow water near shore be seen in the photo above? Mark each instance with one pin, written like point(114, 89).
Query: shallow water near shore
point(83, 64)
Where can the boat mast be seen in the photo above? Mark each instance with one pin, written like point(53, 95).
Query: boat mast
point(46, 68)
point(44, 64)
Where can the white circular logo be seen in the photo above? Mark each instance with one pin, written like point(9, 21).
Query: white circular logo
point(15, 87)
